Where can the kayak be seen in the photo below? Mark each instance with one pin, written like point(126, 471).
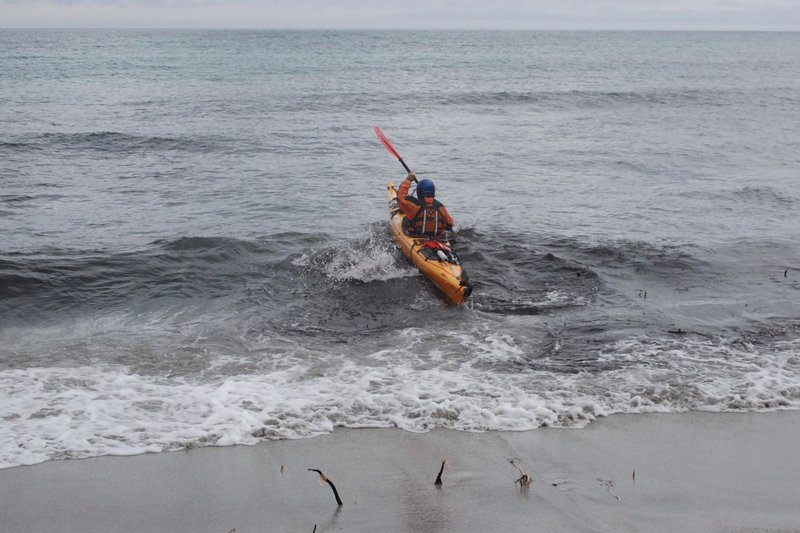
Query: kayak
point(434, 258)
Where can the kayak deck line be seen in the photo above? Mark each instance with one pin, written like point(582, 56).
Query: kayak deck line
point(447, 274)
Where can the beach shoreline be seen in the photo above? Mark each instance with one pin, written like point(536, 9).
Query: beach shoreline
point(655, 472)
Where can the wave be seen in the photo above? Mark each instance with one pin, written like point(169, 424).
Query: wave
point(643, 258)
point(16, 198)
point(280, 277)
point(301, 286)
point(512, 276)
point(108, 409)
point(319, 276)
point(112, 142)
point(585, 98)
point(221, 248)
point(368, 259)
point(562, 99)
point(222, 341)
point(765, 195)
point(57, 281)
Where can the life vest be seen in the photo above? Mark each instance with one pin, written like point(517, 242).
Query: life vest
point(427, 221)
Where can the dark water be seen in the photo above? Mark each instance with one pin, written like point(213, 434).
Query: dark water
point(194, 243)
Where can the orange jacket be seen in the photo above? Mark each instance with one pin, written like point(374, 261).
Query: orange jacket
point(435, 216)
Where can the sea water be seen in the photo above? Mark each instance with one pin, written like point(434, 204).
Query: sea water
point(194, 246)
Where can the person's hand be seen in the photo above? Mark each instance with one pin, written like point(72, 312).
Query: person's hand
point(412, 176)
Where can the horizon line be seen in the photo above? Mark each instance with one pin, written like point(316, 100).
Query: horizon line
point(394, 29)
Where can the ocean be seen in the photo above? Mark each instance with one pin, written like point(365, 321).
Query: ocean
point(194, 247)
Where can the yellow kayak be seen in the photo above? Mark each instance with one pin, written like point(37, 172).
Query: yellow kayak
point(435, 259)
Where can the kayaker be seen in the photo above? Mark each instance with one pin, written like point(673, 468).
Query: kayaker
point(426, 216)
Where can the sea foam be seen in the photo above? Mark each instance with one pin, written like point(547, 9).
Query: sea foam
point(71, 412)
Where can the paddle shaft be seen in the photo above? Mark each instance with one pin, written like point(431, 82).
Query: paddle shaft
point(404, 164)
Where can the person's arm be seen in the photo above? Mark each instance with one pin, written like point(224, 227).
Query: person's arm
point(448, 220)
point(408, 207)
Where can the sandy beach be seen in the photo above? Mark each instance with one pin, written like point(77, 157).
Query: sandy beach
point(671, 472)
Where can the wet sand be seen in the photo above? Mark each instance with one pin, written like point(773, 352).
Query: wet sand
point(671, 472)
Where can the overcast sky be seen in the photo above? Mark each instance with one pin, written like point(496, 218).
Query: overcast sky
point(407, 14)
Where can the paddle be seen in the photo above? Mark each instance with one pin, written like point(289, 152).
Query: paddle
point(389, 147)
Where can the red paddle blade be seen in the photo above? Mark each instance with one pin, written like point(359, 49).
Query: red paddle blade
point(386, 142)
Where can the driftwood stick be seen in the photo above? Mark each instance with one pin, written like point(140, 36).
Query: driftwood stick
point(324, 478)
point(609, 485)
point(525, 479)
point(439, 475)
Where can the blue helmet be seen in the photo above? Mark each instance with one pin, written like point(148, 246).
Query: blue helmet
point(425, 188)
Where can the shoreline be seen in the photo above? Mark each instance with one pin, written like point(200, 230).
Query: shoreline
point(691, 471)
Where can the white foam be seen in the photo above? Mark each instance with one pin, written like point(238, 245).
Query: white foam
point(441, 379)
point(368, 260)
